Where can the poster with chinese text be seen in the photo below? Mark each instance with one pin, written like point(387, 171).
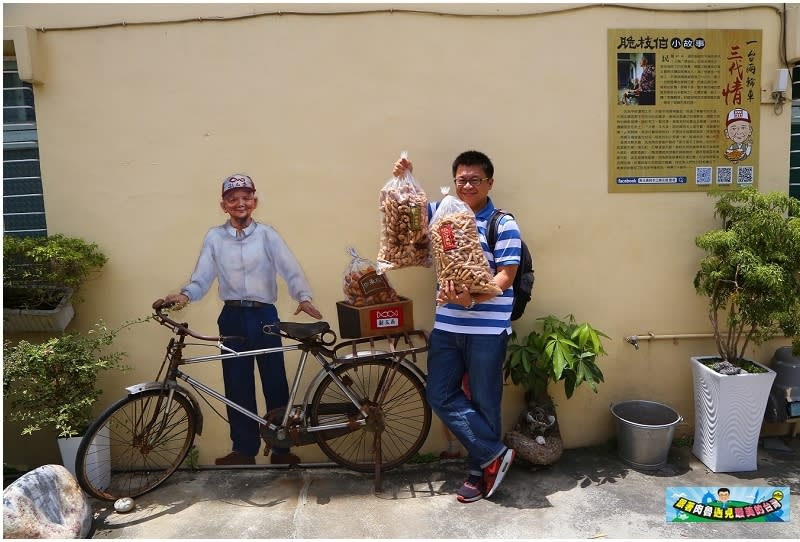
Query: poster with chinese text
point(683, 109)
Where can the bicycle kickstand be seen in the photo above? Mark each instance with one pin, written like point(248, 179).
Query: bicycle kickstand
point(378, 460)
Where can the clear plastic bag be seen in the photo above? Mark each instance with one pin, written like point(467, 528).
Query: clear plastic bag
point(457, 250)
point(363, 285)
point(404, 234)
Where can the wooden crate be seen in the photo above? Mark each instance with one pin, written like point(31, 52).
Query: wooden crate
point(372, 320)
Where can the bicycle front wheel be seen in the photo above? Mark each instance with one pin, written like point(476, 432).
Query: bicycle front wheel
point(135, 445)
point(403, 414)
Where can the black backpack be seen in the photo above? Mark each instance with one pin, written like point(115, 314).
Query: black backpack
point(523, 281)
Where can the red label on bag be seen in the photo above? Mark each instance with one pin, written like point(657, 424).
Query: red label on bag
point(447, 236)
point(386, 317)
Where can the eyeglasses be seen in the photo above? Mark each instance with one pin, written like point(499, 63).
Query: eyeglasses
point(474, 182)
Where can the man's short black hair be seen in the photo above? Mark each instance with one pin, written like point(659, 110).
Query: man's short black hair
point(474, 158)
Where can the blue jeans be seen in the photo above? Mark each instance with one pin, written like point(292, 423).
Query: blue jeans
point(239, 373)
point(477, 423)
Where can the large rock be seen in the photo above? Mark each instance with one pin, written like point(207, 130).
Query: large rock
point(46, 502)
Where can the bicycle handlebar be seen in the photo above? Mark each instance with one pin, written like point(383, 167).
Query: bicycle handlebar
point(159, 305)
point(298, 332)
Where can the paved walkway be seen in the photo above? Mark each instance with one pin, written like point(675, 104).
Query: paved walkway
point(589, 493)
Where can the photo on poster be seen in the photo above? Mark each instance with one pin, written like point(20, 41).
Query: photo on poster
point(636, 78)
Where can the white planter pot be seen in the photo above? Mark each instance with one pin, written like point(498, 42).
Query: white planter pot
point(729, 411)
point(69, 451)
point(98, 462)
point(17, 320)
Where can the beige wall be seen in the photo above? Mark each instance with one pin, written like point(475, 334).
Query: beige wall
point(139, 124)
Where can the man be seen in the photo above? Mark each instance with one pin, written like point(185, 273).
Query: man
point(245, 256)
point(470, 336)
point(647, 82)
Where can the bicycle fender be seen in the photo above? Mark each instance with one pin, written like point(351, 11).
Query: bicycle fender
point(312, 387)
point(417, 371)
point(146, 386)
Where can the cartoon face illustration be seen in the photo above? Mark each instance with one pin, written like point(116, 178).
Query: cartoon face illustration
point(739, 129)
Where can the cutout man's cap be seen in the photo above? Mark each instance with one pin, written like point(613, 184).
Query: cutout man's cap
point(238, 181)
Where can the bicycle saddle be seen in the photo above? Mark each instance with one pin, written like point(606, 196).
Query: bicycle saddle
point(298, 331)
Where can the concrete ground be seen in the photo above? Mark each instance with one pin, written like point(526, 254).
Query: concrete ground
point(588, 493)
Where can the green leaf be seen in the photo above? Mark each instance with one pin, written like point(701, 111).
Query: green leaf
point(561, 350)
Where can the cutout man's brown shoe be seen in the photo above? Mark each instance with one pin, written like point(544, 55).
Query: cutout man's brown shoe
point(235, 458)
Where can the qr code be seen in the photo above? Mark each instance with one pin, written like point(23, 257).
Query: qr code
point(745, 175)
point(724, 175)
point(702, 175)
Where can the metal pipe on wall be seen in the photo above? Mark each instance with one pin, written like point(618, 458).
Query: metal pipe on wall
point(634, 339)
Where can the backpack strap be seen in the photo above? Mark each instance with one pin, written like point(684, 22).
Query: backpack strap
point(491, 230)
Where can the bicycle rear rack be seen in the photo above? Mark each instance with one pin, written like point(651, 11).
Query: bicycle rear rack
point(397, 345)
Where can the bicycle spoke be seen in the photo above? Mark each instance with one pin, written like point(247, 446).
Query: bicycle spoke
point(135, 445)
point(405, 413)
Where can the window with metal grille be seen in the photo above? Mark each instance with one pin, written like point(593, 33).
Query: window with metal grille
point(794, 152)
point(23, 201)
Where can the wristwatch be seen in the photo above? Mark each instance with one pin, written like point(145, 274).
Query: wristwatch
point(471, 303)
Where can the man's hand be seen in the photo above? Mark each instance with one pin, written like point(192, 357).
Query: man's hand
point(401, 166)
point(308, 308)
point(449, 293)
point(177, 301)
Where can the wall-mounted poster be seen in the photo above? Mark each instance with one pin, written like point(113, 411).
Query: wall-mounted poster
point(683, 109)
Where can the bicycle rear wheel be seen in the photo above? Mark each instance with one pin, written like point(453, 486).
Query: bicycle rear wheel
point(405, 415)
point(135, 445)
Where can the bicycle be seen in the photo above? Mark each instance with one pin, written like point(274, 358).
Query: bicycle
point(365, 408)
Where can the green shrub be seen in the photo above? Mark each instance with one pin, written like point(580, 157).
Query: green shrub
point(563, 350)
point(36, 270)
point(53, 384)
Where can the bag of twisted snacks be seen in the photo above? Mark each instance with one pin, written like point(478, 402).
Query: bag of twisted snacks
point(363, 285)
point(404, 235)
point(457, 250)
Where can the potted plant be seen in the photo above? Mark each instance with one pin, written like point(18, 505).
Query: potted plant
point(53, 384)
point(751, 276)
point(40, 276)
point(564, 350)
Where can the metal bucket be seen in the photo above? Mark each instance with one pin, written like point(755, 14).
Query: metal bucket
point(644, 432)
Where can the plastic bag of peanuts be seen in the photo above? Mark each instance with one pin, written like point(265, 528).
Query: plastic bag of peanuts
point(457, 250)
point(363, 285)
point(404, 233)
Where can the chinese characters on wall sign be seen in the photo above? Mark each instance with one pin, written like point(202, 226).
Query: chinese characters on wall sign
point(683, 111)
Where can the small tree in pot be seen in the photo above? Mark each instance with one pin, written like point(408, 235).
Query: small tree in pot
point(751, 273)
point(751, 276)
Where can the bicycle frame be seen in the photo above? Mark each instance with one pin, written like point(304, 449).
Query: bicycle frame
point(316, 347)
point(327, 368)
point(366, 407)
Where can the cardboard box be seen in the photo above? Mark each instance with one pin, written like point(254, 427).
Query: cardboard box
point(372, 320)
